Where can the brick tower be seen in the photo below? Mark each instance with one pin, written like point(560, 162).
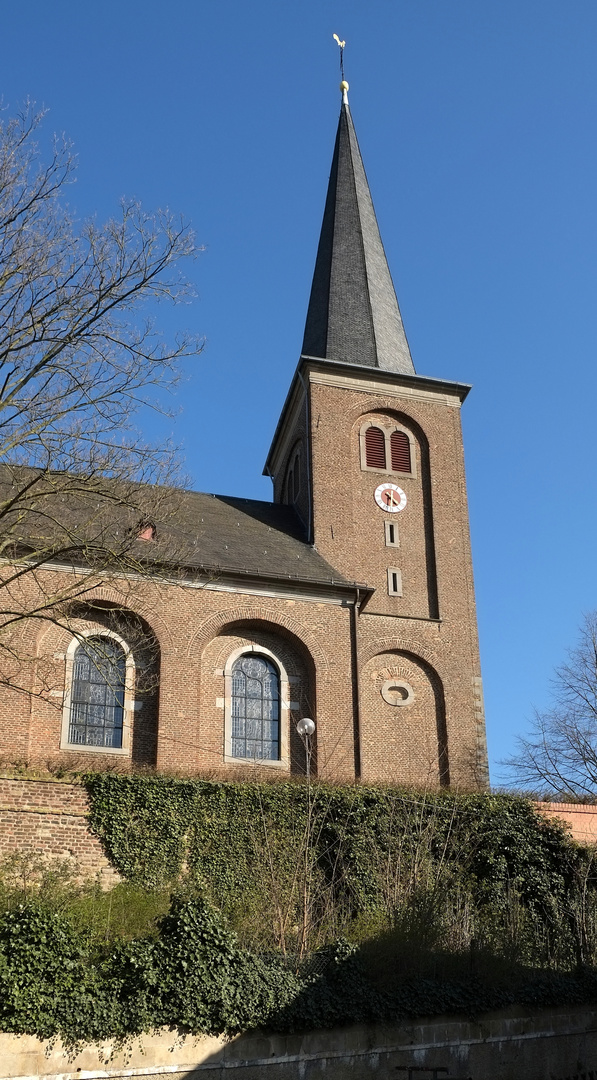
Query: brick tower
point(370, 455)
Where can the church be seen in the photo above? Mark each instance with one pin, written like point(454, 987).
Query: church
point(348, 599)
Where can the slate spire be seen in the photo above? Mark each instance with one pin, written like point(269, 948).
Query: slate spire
point(353, 313)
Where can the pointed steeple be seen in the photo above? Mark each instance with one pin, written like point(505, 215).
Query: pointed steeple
point(353, 314)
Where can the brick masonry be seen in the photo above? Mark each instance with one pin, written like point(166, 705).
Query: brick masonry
point(339, 647)
point(428, 636)
point(51, 819)
point(581, 819)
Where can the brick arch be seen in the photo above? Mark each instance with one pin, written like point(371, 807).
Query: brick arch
point(284, 645)
point(415, 647)
point(358, 415)
point(108, 595)
point(407, 653)
point(213, 626)
point(49, 719)
point(388, 407)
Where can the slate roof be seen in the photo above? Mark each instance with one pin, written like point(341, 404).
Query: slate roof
point(61, 512)
point(353, 315)
point(250, 537)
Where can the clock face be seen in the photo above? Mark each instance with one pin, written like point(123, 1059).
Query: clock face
point(390, 497)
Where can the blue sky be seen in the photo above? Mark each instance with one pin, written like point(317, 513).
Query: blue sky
point(477, 127)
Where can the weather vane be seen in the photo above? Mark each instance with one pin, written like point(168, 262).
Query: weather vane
point(341, 44)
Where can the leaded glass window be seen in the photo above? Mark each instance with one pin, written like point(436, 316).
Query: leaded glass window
point(97, 693)
point(255, 709)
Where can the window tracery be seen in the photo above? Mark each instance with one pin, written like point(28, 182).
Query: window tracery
point(97, 693)
point(98, 700)
point(255, 709)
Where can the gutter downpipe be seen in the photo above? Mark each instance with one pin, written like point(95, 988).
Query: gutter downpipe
point(356, 683)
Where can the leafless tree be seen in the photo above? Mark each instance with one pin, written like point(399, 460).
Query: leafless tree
point(559, 756)
point(78, 357)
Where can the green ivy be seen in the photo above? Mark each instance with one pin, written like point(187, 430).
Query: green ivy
point(393, 861)
point(194, 977)
point(155, 827)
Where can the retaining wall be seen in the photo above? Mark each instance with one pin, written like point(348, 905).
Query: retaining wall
point(51, 819)
point(582, 819)
point(556, 1045)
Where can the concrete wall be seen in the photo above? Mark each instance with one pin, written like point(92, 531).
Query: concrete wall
point(556, 1045)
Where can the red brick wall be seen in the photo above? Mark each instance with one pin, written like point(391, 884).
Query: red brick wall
point(432, 627)
point(47, 818)
point(440, 735)
point(581, 819)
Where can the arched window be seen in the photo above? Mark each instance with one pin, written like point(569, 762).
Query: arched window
point(96, 714)
point(293, 477)
point(375, 448)
point(400, 451)
point(255, 708)
point(387, 448)
point(296, 486)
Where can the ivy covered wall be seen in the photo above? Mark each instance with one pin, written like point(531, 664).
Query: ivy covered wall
point(292, 907)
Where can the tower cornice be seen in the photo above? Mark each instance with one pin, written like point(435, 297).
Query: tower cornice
point(362, 377)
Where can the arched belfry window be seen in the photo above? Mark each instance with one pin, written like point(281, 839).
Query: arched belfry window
point(400, 451)
point(255, 708)
point(375, 448)
point(97, 693)
point(387, 447)
point(293, 477)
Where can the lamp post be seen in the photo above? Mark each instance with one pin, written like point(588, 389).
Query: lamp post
point(306, 730)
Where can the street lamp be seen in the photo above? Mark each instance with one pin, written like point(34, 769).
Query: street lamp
point(306, 729)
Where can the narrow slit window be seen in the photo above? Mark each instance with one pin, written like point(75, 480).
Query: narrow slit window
point(297, 478)
point(400, 451)
point(392, 534)
point(375, 448)
point(394, 582)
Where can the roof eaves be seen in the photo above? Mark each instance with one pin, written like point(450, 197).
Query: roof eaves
point(231, 571)
point(434, 383)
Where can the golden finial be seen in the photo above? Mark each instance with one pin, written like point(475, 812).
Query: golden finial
point(343, 84)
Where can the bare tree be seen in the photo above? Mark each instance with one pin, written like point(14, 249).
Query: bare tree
point(559, 756)
point(78, 357)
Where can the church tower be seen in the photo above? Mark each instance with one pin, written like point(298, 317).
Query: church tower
point(370, 455)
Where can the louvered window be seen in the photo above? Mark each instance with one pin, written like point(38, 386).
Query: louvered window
point(375, 448)
point(400, 446)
